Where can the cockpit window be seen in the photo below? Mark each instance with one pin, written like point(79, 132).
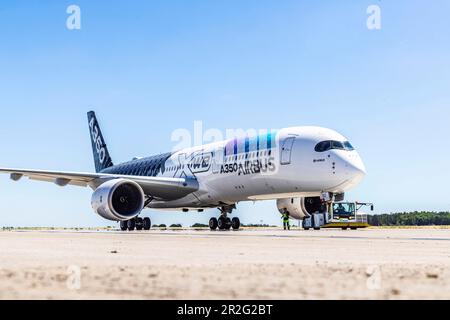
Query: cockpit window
point(332, 144)
point(337, 145)
point(323, 146)
point(348, 146)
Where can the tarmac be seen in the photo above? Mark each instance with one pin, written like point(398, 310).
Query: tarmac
point(248, 264)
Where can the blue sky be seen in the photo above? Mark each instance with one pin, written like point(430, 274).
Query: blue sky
point(150, 67)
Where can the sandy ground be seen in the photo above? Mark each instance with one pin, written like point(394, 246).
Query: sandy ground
point(269, 264)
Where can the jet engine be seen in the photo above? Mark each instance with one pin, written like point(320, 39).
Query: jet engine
point(118, 200)
point(299, 208)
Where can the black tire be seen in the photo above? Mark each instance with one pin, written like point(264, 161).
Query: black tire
point(124, 225)
point(139, 224)
point(353, 228)
point(131, 225)
point(306, 229)
point(317, 229)
point(344, 228)
point(146, 223)
point(222, 223)
point(227, 224)
point(213, 224)
point(235, 223)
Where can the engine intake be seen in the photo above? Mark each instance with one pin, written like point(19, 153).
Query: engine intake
point(118, 200)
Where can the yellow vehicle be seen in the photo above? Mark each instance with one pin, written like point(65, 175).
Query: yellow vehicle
point(346, 215)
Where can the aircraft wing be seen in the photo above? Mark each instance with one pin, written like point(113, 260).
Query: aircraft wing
point(157, 187)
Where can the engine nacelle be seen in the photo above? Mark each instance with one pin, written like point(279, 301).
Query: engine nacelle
point(299, 208)
point(118, 200)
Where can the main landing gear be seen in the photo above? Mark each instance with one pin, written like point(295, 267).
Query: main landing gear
point(224, 222)
point(136, 224)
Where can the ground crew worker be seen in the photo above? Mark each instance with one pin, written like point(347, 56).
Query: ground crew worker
point(285, 217)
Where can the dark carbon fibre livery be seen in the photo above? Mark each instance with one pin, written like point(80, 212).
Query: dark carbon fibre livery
point(102, 158)
point(146, 167)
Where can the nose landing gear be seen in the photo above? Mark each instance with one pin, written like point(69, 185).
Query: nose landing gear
point(224, 222)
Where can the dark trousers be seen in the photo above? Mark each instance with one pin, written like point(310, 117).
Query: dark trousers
point(286, 225)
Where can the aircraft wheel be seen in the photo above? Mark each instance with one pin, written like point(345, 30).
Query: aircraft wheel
point(146, 223)
point(222, 223)
point(228, 224)
point(344, 228)
point(139, 224)
point(353, 228)
point(213, 223)
point(123, 225)
point(131, 225)
point(235, 223)
point(317, 229)
point(306, 229)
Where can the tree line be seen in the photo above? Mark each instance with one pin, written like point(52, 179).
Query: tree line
point(416, 218)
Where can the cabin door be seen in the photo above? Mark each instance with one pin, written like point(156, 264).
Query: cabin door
point(286, 150)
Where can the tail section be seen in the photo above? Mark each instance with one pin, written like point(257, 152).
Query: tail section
point(101, 155)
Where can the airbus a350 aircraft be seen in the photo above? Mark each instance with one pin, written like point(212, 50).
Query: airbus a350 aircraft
point(296, 166)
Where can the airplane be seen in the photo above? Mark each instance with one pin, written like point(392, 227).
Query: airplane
point(300, 167)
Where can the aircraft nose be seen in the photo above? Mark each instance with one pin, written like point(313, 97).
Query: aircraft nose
point(355, 168)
